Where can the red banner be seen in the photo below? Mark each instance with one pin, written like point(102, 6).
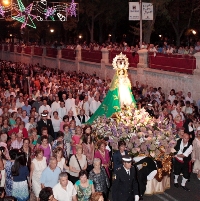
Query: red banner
point(11, 48)
point(19, 49)
point(38, 51)
point(5, 48)
point(174, 63)
point(68, 54)
point(51, 52)
point(27, 50)
point(92, 56)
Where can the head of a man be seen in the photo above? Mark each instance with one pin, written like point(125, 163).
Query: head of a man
point(52, 163)
point(127, 161)
point(186, 138)
point(70, 113)
point(44, 115)
point(63, 178)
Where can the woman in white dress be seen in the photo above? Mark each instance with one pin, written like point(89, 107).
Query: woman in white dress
point(58, 154)
point(37, 166)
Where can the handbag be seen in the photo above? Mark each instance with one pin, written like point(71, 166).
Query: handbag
point(78, 162)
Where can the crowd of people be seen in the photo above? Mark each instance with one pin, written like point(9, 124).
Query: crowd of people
point(47, 147)
point(164, 48)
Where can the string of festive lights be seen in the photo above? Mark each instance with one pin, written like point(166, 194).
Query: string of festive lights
point(72, 9)
point(2, 11)
point(50, 12)
point(38, 10)
point(24, 15)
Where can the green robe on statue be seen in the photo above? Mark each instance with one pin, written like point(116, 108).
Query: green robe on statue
point(111, 103)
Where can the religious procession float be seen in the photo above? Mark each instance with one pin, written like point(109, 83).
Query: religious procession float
point(118, 119)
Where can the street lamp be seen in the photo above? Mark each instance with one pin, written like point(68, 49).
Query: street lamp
point(80, 36)
point(51, 30)
point(109, 35)
point(194, 32)
point(6, 2)
point(10, 35)
point(160, 36)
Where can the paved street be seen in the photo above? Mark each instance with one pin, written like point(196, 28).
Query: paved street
point(174, 194)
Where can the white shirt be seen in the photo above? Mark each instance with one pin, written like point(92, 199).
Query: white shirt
point(62, 112)
point(86, 107)
point(54, 106)
point(12, 110)
point(175, 113)
point(61, 194)
point(171, 98)
point(186, 153)
point(42, 108)
point(19, 104)
point(56, 124)
point(189, 99)
point(78, 123)
point(70, 105)
point(94, 106)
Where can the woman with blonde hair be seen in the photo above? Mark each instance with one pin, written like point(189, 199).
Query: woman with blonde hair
point(77, 163)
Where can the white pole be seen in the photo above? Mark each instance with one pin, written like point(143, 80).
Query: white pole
point(140, 24)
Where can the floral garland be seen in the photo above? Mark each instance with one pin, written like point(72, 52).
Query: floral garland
point(142, 133)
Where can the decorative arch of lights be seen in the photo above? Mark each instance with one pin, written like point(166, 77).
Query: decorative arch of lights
point(37, 11)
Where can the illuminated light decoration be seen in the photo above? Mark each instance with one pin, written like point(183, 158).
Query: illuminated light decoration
point(50, 12)
point(38, 18)
point(44, 2)
point(61, 17)
point(72, 9)
point(24, 15)
point(2, 11)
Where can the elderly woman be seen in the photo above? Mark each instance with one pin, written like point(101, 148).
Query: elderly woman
point(103, 154)
point(84, 187)
point(37, 166)
point(100, 178)
point(196, 154)
point(77, 163)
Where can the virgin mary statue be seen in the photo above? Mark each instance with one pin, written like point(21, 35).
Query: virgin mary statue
point(119, 94)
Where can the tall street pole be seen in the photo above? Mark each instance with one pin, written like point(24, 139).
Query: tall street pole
point(140, 24)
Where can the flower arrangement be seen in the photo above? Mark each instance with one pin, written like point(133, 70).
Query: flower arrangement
point(142, 133)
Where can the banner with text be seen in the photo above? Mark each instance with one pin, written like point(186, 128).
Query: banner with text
point(134, 11)
point(147, 11)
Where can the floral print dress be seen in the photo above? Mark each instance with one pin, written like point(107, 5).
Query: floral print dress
point(84, 193)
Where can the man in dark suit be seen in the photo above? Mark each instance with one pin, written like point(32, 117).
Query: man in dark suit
point(44, 122)
point(125, 185)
